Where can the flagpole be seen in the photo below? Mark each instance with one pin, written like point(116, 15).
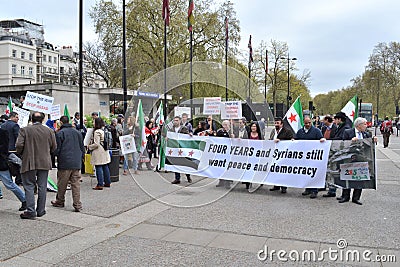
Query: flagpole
point(226, 58)
point(81, 64)
point(191, 75)
point(265, 78)
point(165, 68)
point(124, 86)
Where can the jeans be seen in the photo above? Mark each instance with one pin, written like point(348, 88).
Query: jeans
point(29, 180)
point(135, 161)
point(5, 177)
point(103, 174)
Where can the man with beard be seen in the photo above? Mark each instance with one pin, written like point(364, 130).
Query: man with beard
point(277, 134)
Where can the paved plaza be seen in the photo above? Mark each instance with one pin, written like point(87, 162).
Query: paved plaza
point(146, 221)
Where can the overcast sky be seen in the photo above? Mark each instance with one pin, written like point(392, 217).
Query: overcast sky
point(332, 39)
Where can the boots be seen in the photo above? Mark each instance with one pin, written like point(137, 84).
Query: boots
point(23, 206)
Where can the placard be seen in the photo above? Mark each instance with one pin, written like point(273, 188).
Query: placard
point(180, 110)
point(55, 112)
point(38, 102)
point(357, 171)
point(231, 110)
point(127, 143)
point(212, 106)
point(23, 116)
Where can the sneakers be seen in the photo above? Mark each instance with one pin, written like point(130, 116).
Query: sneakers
point(1, 196)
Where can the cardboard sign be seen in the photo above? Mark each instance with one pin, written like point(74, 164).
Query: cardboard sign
point(357, 171)
point(127, 144)
point(55, 112)
point(180, 110)
point(23, 116)
point(212, 106)
point(38, 102)
point(231, 110)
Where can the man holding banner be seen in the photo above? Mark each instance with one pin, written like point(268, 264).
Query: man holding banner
point(309, 132)
point(357, 133)
point(177, 127)
point(277, 134)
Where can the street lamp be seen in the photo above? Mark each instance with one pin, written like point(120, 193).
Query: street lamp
point(377, 102)
point(288, 98)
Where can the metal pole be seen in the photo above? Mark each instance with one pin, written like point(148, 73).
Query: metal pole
point(226, 68)
point(165, 70)
point(249, 79)
point(288, 83)
point(81, 64)
point(377, 100)
point(191, 75)
point(265, 78)
point(124, 57)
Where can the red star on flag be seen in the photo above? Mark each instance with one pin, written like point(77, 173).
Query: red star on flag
point(180, 152)
point(170, 152)
point(7, 112)
point(143, 143)
point(353, 113)
point(191, 153)
point(292, 117)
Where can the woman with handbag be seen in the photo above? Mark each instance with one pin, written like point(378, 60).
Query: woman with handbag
point(100, 157)
point(5, 175)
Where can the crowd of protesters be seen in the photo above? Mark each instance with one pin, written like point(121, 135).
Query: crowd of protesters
point(59, 144)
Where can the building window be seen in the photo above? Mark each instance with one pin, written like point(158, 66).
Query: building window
point(14, 53)
point(44, 58)
point(44, 69)
point(22, 70)
point(14, 69)
point(61, 70)
point(22, 54)
point(55, 60)
point(49, 59)
point(30, 56)
point(30, 71)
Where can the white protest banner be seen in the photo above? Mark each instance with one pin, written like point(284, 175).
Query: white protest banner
point(23, 116)
point(286, 163)
point(38, 102)
point(180, 110)
point(127, 144)
point(88, 136)
point(55, 112)
point(357, 171)
point(231, 110)
point(212, 106)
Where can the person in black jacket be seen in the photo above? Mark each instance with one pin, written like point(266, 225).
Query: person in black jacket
point(338, 129)
point(277, 134)
point(5, 176)
point(69, 152)
point(354, 134)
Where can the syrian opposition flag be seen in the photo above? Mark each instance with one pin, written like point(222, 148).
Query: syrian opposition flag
point(351, 109)
point(9, 108)
point(294, 116)
point(160, 115)
point(140, 121)
point(183, 152)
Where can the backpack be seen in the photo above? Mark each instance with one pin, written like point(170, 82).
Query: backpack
point(108, 140)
